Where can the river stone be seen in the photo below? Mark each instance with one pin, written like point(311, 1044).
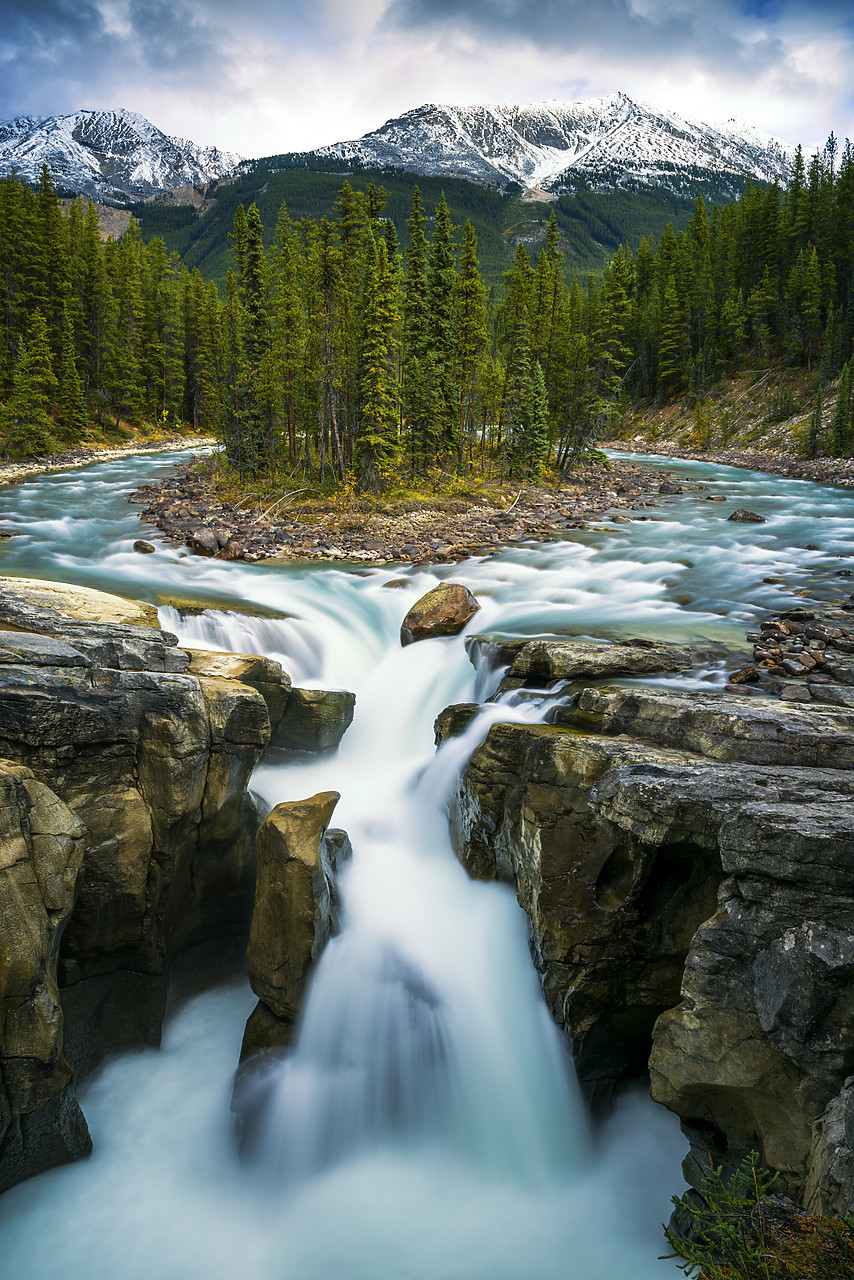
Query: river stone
point(453, 721)
point(743, 516)
point(444, 611)
point(551, 660)
point(204, 542)
point(145, 548)
point(670, 486)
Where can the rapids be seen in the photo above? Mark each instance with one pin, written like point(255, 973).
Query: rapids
point(427, 1124)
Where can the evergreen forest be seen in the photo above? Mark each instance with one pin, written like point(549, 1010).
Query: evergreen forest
point(341, 349)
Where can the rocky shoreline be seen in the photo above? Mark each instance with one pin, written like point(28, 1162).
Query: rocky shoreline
point(821, 470)
point(187, 509)
point(82, 456)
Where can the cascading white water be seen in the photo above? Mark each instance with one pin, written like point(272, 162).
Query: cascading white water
point(425, 1126)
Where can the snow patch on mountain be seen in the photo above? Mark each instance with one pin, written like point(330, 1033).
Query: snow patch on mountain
point(113, 156)
point(601, 142)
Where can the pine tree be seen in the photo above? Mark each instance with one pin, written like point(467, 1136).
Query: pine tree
point(416, 311)
point(26, 422)
point(442, 279)
point(673, 346)
point(377, 446)
point(73, 415)
point(841, 437)
point(471, 332)
point(816, 426)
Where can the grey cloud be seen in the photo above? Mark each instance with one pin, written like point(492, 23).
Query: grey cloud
point(171, 38)
point(704, 34)
point(56, 55)
point(43, 45)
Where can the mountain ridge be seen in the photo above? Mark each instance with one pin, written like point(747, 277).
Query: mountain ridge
point(612, 141)
point(114, 156)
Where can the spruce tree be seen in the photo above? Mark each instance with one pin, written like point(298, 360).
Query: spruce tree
point(841, 437)
point(73, 415)
point(26, 422)
point(416, 310)
point(442, 278)
point(377, 446)
point(471, 332)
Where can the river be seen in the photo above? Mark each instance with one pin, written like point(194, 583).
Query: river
point(427, 1125)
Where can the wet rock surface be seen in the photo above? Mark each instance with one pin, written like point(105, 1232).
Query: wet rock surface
point(42, 843)
point(545, 661)
point(612, 914)
point(131, 840)
point(444, 611)
point(830, 1177)
point(718, 726)
point(295, 912)
point(314, 720)
point(687, 864)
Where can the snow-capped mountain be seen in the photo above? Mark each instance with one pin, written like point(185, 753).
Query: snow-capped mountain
point(113, 156)
point(602, 142)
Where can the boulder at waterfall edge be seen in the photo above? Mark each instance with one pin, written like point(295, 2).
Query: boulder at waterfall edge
point(295, 912)
point(546, 661)
point(444, 611)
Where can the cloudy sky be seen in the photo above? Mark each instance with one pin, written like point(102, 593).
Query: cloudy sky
point(266, 76)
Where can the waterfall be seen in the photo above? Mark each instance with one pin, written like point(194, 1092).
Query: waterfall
point(426, 1124)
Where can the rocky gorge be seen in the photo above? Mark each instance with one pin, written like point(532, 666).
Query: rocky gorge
point(675, 826)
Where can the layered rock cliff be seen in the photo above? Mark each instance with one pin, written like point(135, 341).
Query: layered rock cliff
point(686, 863)
point(127, 837)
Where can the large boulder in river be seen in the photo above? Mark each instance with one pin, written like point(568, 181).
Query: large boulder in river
point(295, 912)
point(545, 661)
point(743, 516)
point(444, 611)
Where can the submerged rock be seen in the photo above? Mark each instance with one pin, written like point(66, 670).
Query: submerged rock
point(444, 611)
point(743, 516)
